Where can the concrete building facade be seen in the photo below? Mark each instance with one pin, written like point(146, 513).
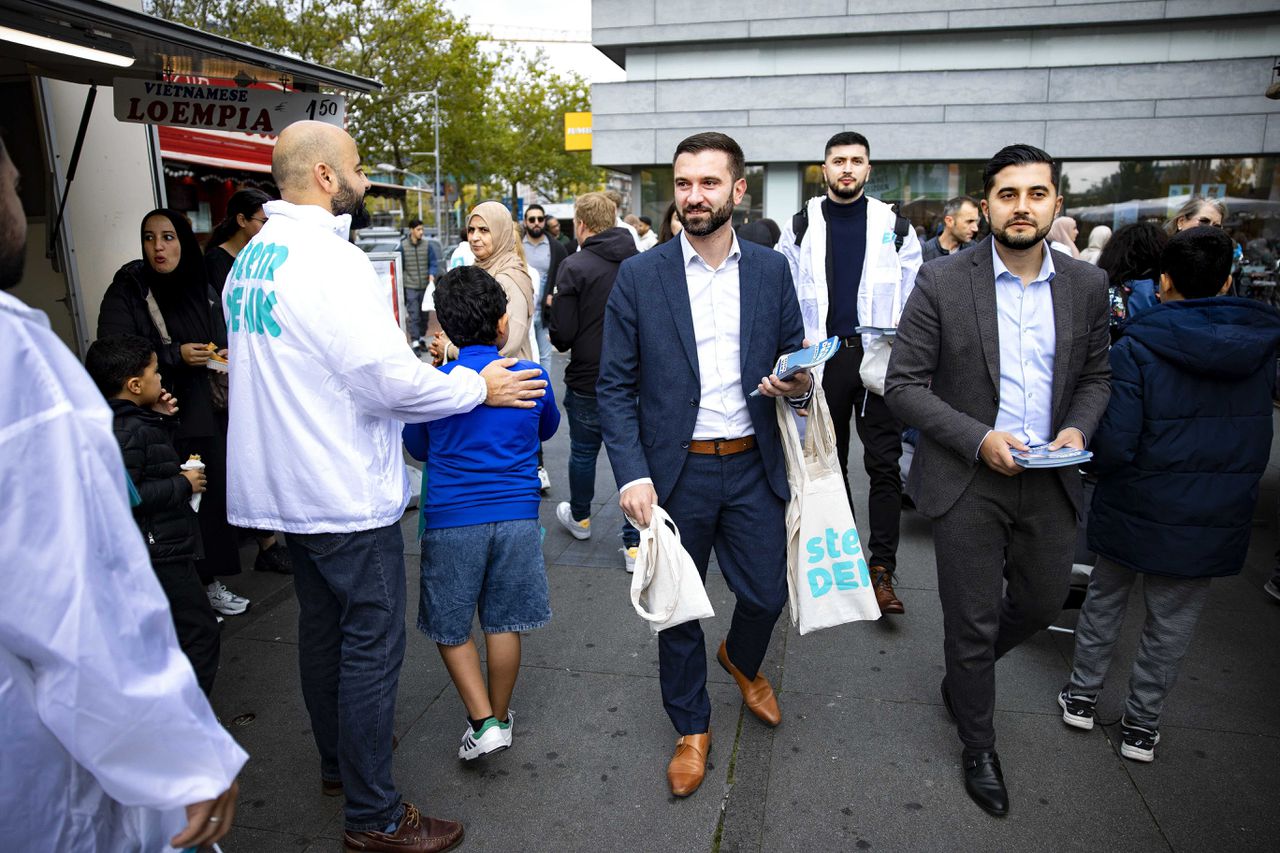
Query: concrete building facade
point(1141, 99)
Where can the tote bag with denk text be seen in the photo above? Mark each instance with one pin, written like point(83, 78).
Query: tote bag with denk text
point(827, 574)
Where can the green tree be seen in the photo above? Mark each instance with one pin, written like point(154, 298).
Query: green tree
point(529, 110)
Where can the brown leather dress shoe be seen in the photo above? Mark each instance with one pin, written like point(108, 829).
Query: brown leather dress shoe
point(688, 766)
point(882, 583)
point(757, 694)
point(417, 834)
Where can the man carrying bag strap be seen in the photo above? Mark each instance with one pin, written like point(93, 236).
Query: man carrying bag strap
point(827, 574)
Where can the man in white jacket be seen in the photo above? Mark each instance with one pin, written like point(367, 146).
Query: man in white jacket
point(854, 262)
point(321, 382)
point(107, 737)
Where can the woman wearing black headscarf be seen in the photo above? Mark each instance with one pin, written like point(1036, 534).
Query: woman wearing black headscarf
point(165, 297)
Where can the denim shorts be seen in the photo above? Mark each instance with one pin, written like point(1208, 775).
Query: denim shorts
point(495, 568)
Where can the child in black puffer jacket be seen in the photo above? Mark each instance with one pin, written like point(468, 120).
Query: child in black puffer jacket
point(125, 369)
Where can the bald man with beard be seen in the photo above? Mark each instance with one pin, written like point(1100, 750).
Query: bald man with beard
point(322, 381)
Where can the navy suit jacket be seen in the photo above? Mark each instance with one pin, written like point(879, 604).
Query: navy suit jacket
point(649, 387)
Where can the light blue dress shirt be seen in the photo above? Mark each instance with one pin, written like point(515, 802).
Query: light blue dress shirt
point(1027, 340)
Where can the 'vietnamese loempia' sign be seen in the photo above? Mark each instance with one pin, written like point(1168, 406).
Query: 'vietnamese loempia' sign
point(228, 108)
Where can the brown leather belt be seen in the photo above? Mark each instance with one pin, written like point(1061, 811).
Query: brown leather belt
point(722, 446)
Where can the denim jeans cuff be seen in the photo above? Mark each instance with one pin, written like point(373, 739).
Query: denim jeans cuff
point(378, 824)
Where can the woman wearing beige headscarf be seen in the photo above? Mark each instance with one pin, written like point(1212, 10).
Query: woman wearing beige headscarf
point(492, 240)
point(1062, 236)
point(1098, 239)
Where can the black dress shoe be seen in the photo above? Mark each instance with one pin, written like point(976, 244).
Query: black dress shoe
point(984, 781)
point(946, 701)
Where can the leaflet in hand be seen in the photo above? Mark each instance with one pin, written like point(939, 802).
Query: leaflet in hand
point(793, 362)
point(1042, 457)
point(877, 331)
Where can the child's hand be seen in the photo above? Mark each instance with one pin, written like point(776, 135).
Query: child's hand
point(167, 404)
point(196, 478)
point(439, 346)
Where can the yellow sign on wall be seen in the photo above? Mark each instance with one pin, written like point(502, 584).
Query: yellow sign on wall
point(577, 131)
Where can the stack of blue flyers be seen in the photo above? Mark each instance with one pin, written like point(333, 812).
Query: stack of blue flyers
point(877, 331)
point(793, 362)
point(1042, 457)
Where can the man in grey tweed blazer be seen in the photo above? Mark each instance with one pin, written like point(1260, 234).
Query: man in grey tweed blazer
point(1000, 348)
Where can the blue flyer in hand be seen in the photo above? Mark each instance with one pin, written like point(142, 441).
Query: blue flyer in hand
point(1042, 457)
point(793, 362)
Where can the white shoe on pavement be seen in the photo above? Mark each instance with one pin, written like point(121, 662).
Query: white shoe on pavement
point(544, 480)
point(1272, 588)
point(577, 529)
point(224, 601)
point(492, 737)
point(630, 555)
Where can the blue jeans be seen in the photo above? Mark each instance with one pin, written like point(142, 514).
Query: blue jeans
point(544, 341)
point(584, 447)
point(351, 638)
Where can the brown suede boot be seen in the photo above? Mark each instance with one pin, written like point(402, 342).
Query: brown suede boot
point(882, 583)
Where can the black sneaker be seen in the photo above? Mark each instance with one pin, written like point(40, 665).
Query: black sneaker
point(1077, 711)
point(1138, 742)
point(274, 559)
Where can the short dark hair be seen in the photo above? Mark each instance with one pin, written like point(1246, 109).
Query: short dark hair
point(469, 304)
point(112, 361)
point(846, 137)
point(953, 205)
point(535, 206)
point(1198, 260)
point(647, 221)
point(414, 223)
point(715, 141)
point(1018, 155)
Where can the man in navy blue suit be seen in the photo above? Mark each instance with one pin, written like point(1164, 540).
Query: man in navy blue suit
point(689, 327)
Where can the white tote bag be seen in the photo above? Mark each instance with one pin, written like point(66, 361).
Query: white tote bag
point(827, 574)
point(666, 589)
point(875, 355)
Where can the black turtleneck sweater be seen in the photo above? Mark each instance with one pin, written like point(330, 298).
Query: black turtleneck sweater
point(846, 248)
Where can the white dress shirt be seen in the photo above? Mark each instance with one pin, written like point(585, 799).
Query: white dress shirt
point(714, 299)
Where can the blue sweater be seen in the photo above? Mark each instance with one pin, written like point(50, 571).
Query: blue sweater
point(1185, 437)
point(482, 467)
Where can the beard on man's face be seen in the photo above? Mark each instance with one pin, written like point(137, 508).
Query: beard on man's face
point(851, 191)
point(350, 201)
point(1004, 237)
point(12, 260)
point(533, 230)
point(717, 218)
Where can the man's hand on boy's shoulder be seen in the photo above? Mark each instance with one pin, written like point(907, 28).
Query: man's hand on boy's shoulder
point(512, 388)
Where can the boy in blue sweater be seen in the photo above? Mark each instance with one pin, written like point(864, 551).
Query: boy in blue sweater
point(481, 543)
point(1179, 454)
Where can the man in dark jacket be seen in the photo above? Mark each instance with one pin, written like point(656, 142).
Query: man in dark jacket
point(125, 369)
point(582, 289)
point(1179, 454)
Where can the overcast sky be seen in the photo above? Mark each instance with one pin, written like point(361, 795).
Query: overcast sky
point(567, 18)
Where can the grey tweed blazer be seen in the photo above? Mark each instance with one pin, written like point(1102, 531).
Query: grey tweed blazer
point(944, 371)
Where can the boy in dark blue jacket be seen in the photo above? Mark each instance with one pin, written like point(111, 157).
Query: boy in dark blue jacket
point(481, 543)
point(125, 369)
point(1179, 454)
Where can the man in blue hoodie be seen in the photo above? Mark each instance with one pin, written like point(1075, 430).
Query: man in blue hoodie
point(1179, 454)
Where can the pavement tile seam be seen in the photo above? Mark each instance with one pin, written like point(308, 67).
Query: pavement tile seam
point(728, 784)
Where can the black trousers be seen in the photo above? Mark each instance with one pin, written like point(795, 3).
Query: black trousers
point(193, 619)
point(1004, 555)
point(881, 436)
point(221, 541)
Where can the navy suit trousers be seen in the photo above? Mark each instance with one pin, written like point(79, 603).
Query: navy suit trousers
point(724, 502)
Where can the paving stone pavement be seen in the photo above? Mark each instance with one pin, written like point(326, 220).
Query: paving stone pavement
point(865, 758)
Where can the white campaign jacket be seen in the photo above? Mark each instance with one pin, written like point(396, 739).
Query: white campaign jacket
point(321, 381)
point(104, 734)
point(883, 269)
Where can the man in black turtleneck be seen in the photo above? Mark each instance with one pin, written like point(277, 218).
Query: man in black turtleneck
point(858, 248)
